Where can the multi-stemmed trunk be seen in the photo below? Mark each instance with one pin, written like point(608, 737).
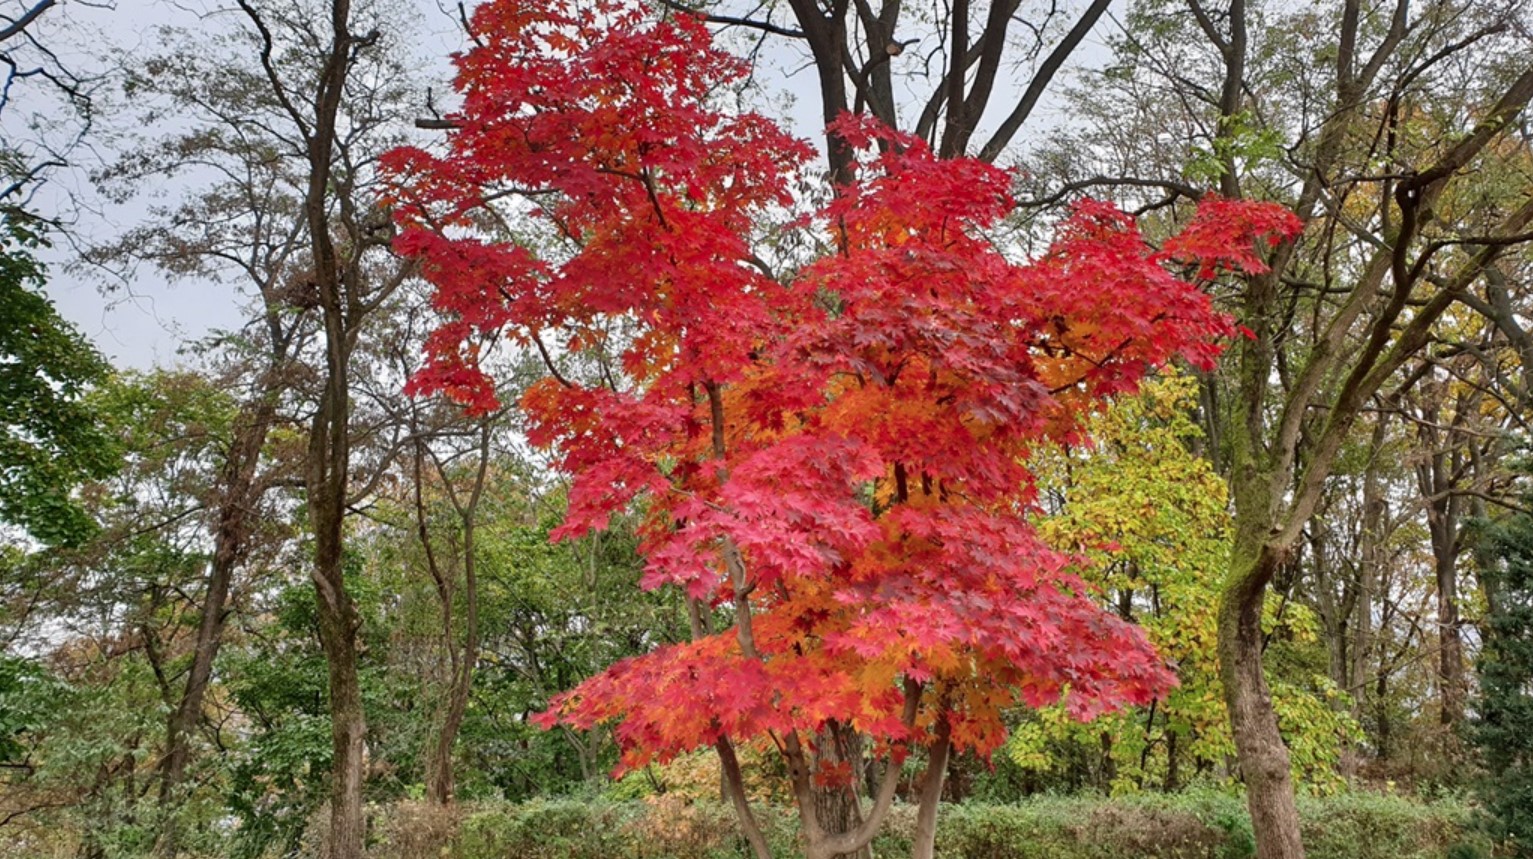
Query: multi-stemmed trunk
point(463, 658)
point(820, 841)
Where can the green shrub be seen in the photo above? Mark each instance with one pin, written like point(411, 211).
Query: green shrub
point(541, 829)
point(1380, 826)
point(1081, 828)
point(1194, 825)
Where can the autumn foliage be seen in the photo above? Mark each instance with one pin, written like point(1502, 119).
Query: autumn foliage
point(833, 453)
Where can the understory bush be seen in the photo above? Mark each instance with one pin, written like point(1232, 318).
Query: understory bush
point(1194, 825)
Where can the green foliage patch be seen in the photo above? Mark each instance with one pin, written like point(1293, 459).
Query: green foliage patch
point(1502, 730)
point(51, 438)
point(1193, 825)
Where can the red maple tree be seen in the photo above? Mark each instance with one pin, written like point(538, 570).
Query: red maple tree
point(833, 456)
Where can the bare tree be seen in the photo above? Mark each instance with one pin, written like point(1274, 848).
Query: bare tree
point(286, 137)
point(46, 104)
point(959, 60)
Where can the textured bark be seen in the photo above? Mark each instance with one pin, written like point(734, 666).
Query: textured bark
point(1264, 760)
point(239, 495)
point(1258, 550)
point(837, 807)
point(924, 842)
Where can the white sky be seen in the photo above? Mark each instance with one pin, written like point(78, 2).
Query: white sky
point(146, 324)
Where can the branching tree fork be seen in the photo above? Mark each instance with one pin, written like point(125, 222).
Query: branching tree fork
point(1343, 313)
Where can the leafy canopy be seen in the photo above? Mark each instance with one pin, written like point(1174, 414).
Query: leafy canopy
point(836, 454)
point(51, 439)
point(1150, 518)
point(1502, 730)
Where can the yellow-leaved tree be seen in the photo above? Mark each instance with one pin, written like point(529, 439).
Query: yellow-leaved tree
point(1149, 519)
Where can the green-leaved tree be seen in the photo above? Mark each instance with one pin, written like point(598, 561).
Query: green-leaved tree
point(1503, 727)
point(51, 440)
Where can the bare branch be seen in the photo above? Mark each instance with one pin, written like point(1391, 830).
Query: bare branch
point(732, 21)
point(1041, 80)
point(27, 17)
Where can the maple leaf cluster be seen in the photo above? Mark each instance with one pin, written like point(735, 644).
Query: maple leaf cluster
point(838, 457)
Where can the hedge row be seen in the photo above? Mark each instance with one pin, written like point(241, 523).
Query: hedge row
point(1185, 826)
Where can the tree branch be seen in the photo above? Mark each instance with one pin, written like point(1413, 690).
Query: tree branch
point(732, 21)
point(26, 19)
point(1041, 80)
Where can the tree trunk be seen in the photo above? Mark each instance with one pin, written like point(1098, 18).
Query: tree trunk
point(1450, 664)
point(239, 496)
point(1383, 726)
point(230, 544)
point(439, 776)
point(1360, 625)
point(1370, 562)
point(1257, 487)
point(439, 786)
point(329, 465)
point(1264, 762)
point(348, 732)
point(734, 784)
point(183, 721)
point(338, 619)
point(1334, 613)
point(1436, 483)
point(837, 806)
point(1173, 767)
point(439, 768)
point(924, 843)
point(820, 844)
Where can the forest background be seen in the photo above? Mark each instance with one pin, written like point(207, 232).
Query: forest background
point(260, 601)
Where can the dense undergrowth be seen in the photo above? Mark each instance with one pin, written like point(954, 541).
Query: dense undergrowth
point(1197, 825)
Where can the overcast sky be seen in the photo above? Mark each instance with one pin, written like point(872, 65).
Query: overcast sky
point(147, 322)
